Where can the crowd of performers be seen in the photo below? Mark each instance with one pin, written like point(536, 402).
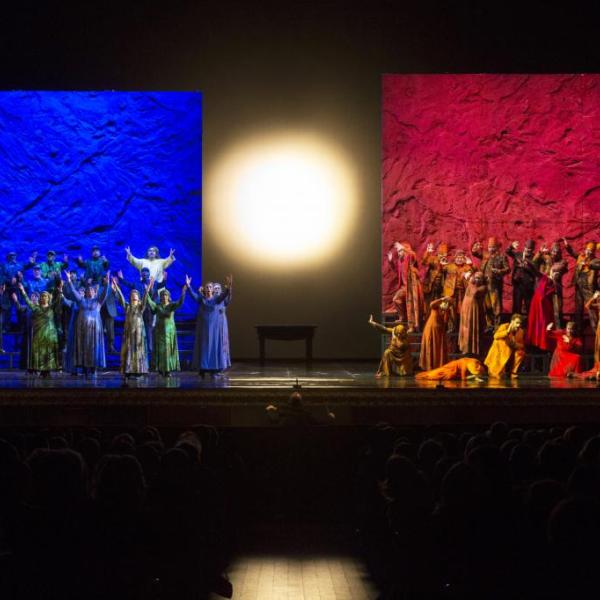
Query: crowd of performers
point(64, 314)
point(439, 294)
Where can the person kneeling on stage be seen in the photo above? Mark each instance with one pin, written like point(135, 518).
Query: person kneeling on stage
point(396, 359)
point(566, 358)
point(509, 343)
point(463, 368)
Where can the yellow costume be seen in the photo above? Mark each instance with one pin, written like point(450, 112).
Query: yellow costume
point(396, 359)
point(455, 369)
point(505, 346)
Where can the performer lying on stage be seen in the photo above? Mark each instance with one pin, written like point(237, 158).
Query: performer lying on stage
point(165, 333)
point(434, 343)
point(134, 360)
point(396, 359)
point(509, 343)
point(463, 368)
point(566, 358)
point(44, 339)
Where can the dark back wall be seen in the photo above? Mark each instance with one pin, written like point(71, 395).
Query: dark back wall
point(270, 65)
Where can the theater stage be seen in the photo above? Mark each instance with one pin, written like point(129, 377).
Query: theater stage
point(349, 389)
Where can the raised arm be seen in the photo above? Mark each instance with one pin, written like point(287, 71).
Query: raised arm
point(476, 250)
point(167, 262)
point(378, 326)
point(119, 294)
point(177, 305)
point(195, 296)
point(74, 293)
point(148, 295)
point(569, 249)
point(29, 303)
point(136, 262)
point(225, 295)
point(105, 290)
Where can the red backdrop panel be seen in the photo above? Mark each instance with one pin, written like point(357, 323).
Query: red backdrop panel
point(469, 156)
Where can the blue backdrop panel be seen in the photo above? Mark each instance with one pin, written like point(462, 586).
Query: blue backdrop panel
point(106, 168)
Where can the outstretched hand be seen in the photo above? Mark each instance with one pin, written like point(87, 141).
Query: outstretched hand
point(128, 250)
point(371, 321)
point(188, 280)
point(151, 283)
point(550, 327)
point(229, 280)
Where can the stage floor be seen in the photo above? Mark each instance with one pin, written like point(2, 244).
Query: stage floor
point(251, 376)
point(239, 398)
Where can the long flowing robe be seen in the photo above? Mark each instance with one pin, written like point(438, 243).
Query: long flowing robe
point(455, 369)
point(44, 339)
point(566, 357)
point(166, 350)
point(408, 298)
point(434, 342)
point(134, 359)
point(89, 335)
point(505, 346)
point(210, 353)
point(224, 327)
point(593, 305)
point(541, 313)
point(396, 359)
point(472, 319)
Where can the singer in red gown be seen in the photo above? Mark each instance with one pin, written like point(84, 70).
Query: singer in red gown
point(566, 358)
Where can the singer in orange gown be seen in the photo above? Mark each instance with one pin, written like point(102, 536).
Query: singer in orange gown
point(434, 343)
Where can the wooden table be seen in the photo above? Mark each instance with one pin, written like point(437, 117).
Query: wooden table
point(285, 332)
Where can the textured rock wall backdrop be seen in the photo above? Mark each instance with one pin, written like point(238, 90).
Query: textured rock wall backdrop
point(469, 156)
point(107, 168)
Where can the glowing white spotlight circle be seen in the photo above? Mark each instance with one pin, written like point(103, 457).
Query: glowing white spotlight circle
point(284, 199)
